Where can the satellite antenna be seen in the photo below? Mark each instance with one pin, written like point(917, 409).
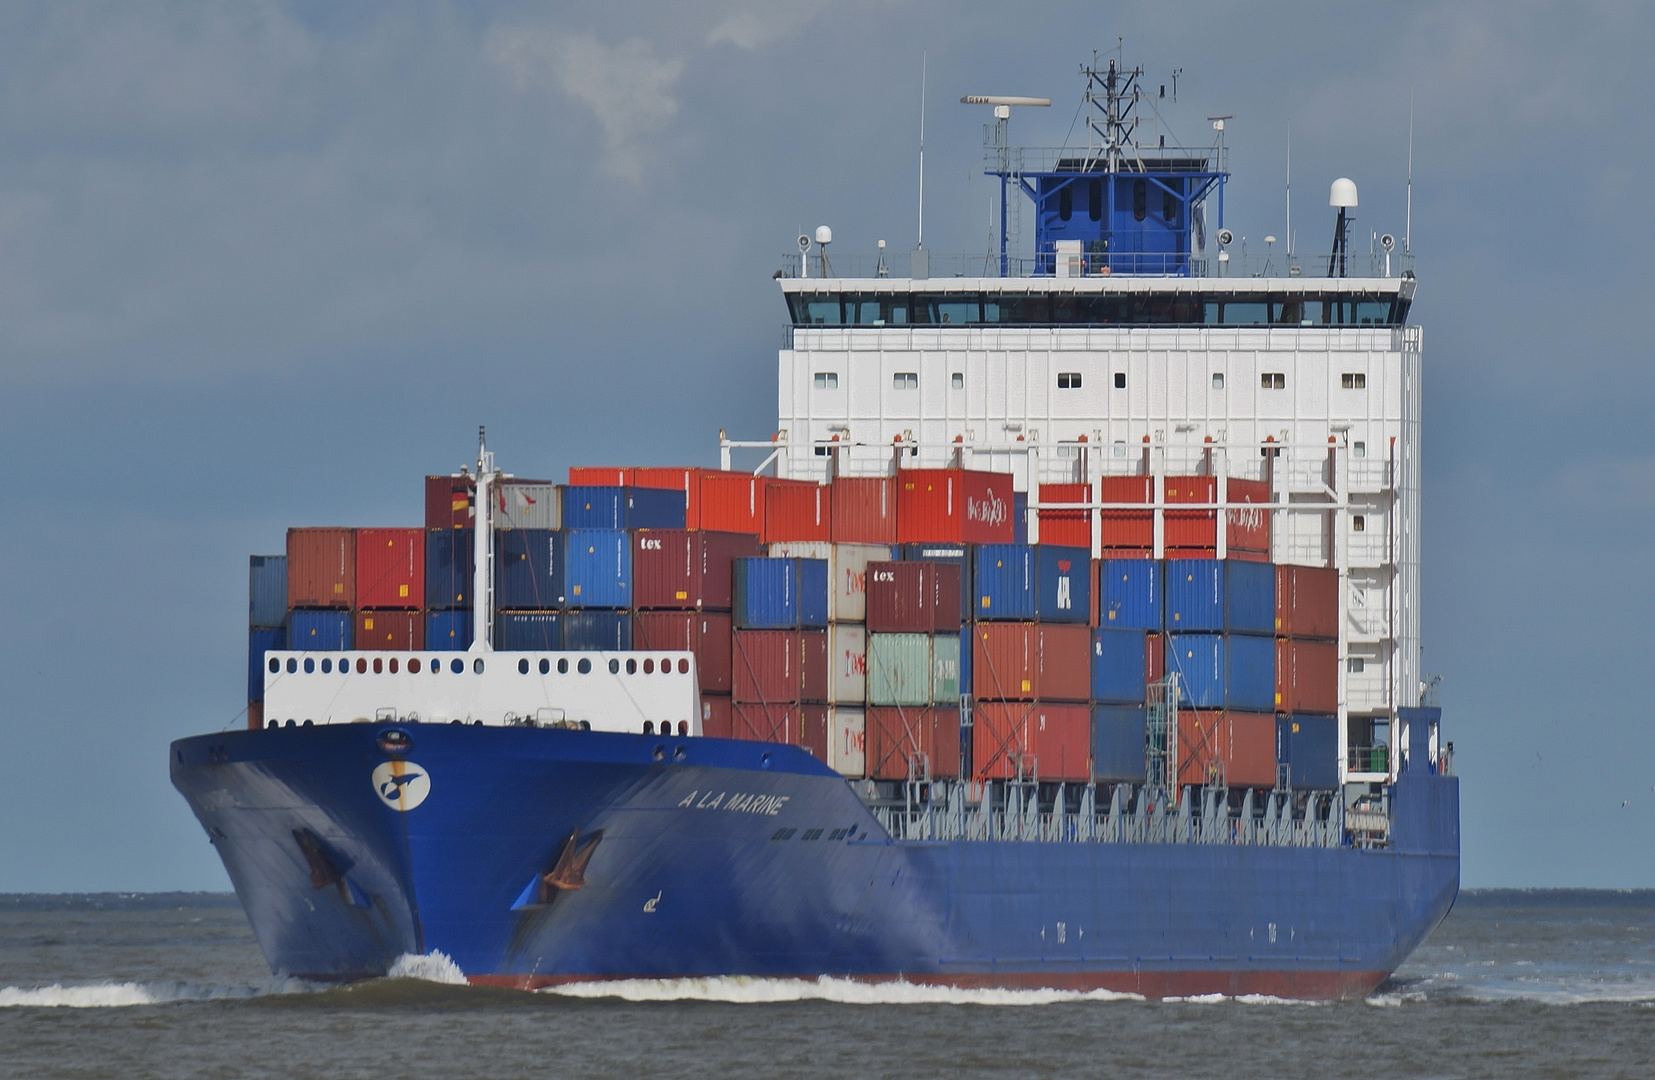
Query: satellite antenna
point(1343, 197)
point(824, 237)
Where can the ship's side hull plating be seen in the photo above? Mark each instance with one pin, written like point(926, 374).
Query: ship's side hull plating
point(534, 857)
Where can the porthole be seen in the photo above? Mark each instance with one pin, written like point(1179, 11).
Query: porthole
point(413, 666)
point(614, 667)
point(310, 666)
point(292, 665)
point(477, 665)
point(275, 665)
point(683, 667)
point(649, 667)
point(632, 667)
point(523, 666)
point(379, 666)
point(545, 666)
point(327, 667)
point(456, 665)
point(563, 666)
point(585, 666)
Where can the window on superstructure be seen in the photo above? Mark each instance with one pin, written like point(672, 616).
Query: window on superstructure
point(905, 380)
point(823, 312)
point(1218, 380)
point(1354, 380)
point(1094, 200)
point(1120, 380)
point(1359, 449)
point(1354, 665)
point(1066, 202)
point(1272, 380)
point(1358, 523)
point(1068, 380)
point(1140, 199)
point(827, 380)
point(958, 380)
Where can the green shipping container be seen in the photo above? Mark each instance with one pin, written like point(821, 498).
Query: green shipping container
point(945, 669)
point(899, 669)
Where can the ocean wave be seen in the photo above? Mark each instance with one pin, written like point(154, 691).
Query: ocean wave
point(115, 995)
point(742, 989)
point(435, 966)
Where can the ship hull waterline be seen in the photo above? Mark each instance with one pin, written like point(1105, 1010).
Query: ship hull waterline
point(540, 857)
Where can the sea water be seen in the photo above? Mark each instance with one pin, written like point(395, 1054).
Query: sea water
point(171, 985)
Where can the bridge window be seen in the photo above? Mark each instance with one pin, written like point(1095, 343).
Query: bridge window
point(822, 312)
point(905, 380)
point(1068, 380)
point(827, 380)
point(1354, 380)
point(1272, 380)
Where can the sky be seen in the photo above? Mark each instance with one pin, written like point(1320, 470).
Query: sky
point(268, 264)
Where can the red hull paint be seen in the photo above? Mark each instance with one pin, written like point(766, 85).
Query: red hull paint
point(1295, 985)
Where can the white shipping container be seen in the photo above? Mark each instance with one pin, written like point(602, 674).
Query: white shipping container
point(848, 661)
point(528, 505)
point(847, 730)
point(847, 572)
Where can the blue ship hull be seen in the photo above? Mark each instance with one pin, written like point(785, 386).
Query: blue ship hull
point(541, 856)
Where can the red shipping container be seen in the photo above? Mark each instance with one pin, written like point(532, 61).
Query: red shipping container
point(321, 568)
point(448, 502)
point(1128, 530)
point(601, 475)
point(913, 598)
point(1071, 527)
point(864, 510)
point(717, 715)
point(687, 568)
point(390, 568)
point(1031, 661)
point(1307, 602)
point(1051, 741)
point(404, 630)
point(673, 478)
point(804, 726)
point(797, 510)
point(1239, 748)
point(779, 666)
point(954, 506)
point(1307, 676)
point(1248, 530)
point(729, 501)
point(704, 633)
point(1155, 660)
point(894, 735)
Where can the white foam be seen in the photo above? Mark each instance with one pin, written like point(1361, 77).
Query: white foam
point(114, 995)
point(1240, 999)
point(435, 966)
point(742, 989)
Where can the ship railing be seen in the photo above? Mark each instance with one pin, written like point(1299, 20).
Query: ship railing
point(1204, 263)
point(1020, 812)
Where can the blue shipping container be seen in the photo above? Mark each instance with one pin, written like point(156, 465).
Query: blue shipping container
point(267, 590)
point(1063, 590)
point(1221, 594)
point(1130, 593)
point(528, 569)
point(955, 555)
point(448, 631)
point(259, 640)
point(780, 594)
point(1309, 746)
point(528, 631)
point(597, 631)
point(1004, 582)
point(1118, 744)
point(325, 631)
point(1118, 666)
point(622, 508)
point(449, 559)
point(1224, 671)
point(1249, 597)
point(597, 569)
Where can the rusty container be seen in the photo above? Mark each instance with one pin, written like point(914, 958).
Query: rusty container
point(321, 568)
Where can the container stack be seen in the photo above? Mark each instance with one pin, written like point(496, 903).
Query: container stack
point(1127, 657)
point(321, 588)
point(266, 625)
point(779, 654)
point(1307, 675)
point(913, 670)
point(449, 558)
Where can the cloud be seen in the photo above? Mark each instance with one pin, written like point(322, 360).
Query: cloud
point(752, 27)
point(628, 87)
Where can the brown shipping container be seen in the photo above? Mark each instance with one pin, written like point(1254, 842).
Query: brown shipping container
point(1239, 746)
point(864, 510)
point(779, 666)
point(448, 501)
point(947, 614)
point(913, 598)
point(601, 476)
point(1307, 676)
point(1155, 660)
point(390, 568)
point(954, 506)
point(1127, 529)
point(403, 630)
point(797, 510)
point(1031, 661)
point(1071, 527)
point(704, 633)
point(804, 726)
point(1051, 741)
point(1307, 602)
point(321, 568)
point(716, 716)
point(686, 568)
point(894, 734)
point(729, 501)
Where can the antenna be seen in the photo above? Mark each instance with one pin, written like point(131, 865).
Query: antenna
point(924, 57)
point(1408, 221)
point(1290, 189)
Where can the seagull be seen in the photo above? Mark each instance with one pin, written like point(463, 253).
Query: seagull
point(1626, 802)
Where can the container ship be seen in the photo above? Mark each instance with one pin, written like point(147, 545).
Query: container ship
point(1065, 634)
